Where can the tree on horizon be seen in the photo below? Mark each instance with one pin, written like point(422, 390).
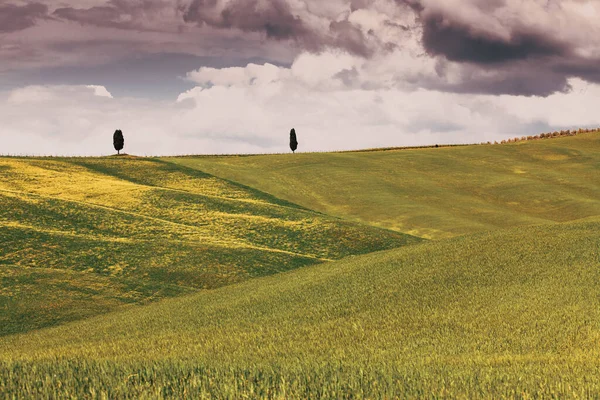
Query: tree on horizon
point(293, 140)
point(118, 141)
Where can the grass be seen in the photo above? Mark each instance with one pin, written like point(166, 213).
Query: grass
point(512, 313)
point(84, 236)
point(433, 193)
point(261, 297)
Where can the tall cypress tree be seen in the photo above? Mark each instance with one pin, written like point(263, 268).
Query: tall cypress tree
point(293, 141)
point(118, 141)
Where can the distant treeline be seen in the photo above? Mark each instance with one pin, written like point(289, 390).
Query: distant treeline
point(548, 135)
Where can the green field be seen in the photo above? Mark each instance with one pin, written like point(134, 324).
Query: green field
point(261, 297)
point(513, 313)
point(85, 236)
point(433, 193)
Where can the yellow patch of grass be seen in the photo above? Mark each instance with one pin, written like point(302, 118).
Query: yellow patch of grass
point(156, 229)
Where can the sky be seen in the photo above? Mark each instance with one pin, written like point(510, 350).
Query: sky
point(234, 76)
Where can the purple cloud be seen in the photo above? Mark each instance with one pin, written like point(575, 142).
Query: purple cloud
point(276, 20)
point(15, 18)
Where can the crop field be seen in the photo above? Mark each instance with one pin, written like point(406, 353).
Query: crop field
point(463, 272)
point(513, 313)
point(83, 236)
point(433, 193)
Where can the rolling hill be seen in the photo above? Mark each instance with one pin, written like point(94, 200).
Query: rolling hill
point(512, 313)
point(302, 276)
point(83, 236)
point(433, 193)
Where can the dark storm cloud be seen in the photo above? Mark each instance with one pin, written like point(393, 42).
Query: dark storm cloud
point(496, 42)
point(587, 69)
point(523, 78)
point(446, 33)
point(276, 20)
point(15, 18)
point(459, 42)
point(145, 15)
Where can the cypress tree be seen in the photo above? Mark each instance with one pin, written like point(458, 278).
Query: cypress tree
point(293, 141)
point(118, 141)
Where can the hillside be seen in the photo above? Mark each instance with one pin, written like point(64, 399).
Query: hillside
point(433, 193)
point(512, 313)
point(83, 236)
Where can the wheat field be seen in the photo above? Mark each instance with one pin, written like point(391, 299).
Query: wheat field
point(463, 272)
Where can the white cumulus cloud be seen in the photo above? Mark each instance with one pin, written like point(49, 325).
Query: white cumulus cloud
point(100, 91)
point(346, 104)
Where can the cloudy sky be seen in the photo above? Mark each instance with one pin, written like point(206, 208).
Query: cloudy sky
point(234, 76)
